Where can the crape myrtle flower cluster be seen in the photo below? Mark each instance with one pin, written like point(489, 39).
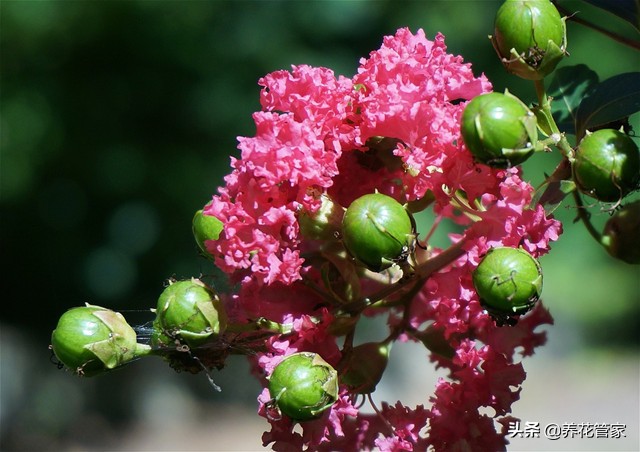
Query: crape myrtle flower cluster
point(322, 142)
point(315, 231)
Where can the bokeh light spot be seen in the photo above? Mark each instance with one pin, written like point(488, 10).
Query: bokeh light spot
point(134, 228)
point(109, 273)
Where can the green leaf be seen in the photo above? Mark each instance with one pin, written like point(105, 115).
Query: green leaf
point(616, 98)
point(552, 194)
point(625, 9)
point(567, 88)
point(555, 188)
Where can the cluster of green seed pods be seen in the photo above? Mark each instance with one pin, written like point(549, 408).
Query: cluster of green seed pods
point(501, 131)
point(91, 340)
point(376, 232)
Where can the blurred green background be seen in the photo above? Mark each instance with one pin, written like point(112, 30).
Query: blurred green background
point(117, 122)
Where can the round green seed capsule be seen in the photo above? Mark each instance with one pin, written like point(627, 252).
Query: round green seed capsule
point(91, 340)
point(303, 386)
point(499, 129)
point(622, 232)
point(377, 231)
point(607, 165)
point(324, 224)
point(188, 311)
point(508, 282)
point(529, 37)
point(205, 227)
point(363, 367)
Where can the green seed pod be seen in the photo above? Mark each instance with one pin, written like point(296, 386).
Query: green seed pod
point(363, 367)
point(190, 312)
point(499, 129)
point(607, 165)
point(378, 231)
point(303, 386)
point(91, 340)
point(324, 224)
point(205, 227)
point(622, 232)
point(434, 340)
point(529, 37)
point(508, 282)
point(421, 204)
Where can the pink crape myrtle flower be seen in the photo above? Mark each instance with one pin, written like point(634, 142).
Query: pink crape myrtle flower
point(412, 90)
point(392, 128)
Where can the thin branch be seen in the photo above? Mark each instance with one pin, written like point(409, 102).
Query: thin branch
point(616, 37)
point(584, 215)
point(422, 273)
